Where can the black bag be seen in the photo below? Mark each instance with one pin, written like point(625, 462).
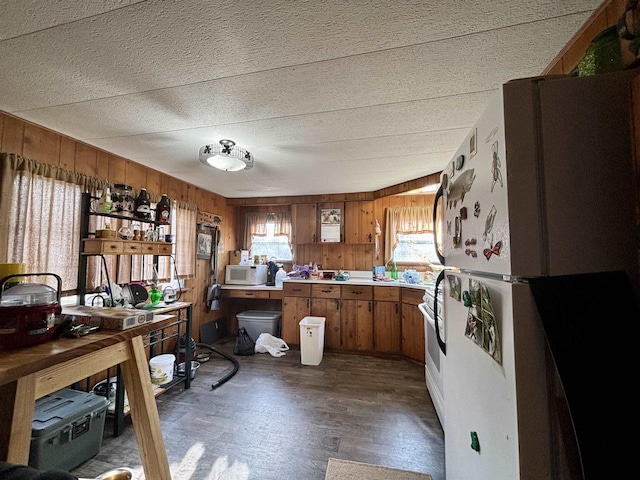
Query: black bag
point(244, 344)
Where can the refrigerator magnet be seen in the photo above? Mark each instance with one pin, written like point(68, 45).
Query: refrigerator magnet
point(496, 174)
point(454, 287)
point(476, 210)
point(492, 134)
point(473, 143)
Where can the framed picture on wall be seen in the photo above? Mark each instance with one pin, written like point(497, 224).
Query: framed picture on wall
point(203, 245)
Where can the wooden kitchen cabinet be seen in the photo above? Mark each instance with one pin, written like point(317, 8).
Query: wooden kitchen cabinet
point(387, 330)
point(413, 339)
point(329, 308)
point(359, 222)
point(325, 302)
point(356, 315)
point(296, 304)
point(303, 223)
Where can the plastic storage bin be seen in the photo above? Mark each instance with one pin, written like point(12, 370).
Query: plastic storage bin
point(260, 321)
point(67, 429)
point(311, 340)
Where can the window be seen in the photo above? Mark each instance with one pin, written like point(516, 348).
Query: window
point(415, 248)
point(409, 235)
point(271, 245)
point(268, 234)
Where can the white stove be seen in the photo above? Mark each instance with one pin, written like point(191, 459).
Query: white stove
point(434, 358)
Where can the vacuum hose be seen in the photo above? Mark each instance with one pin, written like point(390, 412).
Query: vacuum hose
point(226, 377)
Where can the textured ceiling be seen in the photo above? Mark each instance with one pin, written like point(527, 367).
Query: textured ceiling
point(329, 96)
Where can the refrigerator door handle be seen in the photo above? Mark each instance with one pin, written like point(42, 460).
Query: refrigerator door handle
point(439, 195)
point(441, 343)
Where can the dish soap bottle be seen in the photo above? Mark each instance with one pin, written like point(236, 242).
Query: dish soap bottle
point(394, 270)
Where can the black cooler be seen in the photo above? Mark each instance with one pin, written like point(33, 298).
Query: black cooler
point(67, 429)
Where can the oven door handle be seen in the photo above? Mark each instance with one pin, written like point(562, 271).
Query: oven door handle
point(441, 344)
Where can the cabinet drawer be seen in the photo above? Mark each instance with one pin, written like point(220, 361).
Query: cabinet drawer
point(293, 289)
point(246, 293)
point(140, 248)
point(391, 294)
point(275, 294)
point(102, 246)
point(412, 296)
point(357, 292)
point(325, 291)
point(164, 249)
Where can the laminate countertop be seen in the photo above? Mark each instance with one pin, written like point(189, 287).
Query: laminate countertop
point(351, 281)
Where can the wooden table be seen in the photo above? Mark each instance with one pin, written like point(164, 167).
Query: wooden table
point(30, 373)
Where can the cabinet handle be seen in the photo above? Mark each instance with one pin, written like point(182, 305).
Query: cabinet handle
point(396, 308)
point(369, 306)
point(337, 304)
point(308, 305)
point(249, 294)
point(357, 292)
point(369, 238)
point(297, 289)
point(325, 291)
point(314, 238)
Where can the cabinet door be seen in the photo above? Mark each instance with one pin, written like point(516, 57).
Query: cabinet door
point(359, 222)
point(412, 332)
point(328, 308)
point(386, 327)
point(303, 219)
point(357, 324)
point(294, 309)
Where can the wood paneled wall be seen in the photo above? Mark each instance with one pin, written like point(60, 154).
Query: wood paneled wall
point(38, 143)
point(334, 256)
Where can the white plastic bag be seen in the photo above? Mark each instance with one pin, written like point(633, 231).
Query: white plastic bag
point(267, 343)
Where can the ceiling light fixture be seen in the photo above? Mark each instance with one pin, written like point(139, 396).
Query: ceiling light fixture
point(225, 155)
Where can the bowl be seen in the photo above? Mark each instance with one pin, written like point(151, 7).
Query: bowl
point(194, 366)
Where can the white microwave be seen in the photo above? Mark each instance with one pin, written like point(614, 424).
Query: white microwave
point(246, 275)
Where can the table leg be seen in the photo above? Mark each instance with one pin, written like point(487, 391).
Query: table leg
point(17, 403)
point(144, 413)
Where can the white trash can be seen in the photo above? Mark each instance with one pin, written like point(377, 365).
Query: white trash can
point(311, 340)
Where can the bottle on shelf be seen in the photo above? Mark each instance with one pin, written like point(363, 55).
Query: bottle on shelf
point(103, 204)
point(163, 209)
point(142, 206)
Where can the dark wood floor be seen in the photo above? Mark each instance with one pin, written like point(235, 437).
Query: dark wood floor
point(278, 419)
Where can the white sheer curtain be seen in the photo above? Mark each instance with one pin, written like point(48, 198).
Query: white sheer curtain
point(185, 251)
point(405, 220)
point(40, 208)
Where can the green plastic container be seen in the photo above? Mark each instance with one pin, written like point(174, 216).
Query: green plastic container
point(67, 429)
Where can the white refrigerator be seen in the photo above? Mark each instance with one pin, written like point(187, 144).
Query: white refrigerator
point(537, 202)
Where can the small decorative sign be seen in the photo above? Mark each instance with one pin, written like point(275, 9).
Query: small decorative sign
point(208, 219)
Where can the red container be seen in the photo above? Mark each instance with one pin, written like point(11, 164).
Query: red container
point(28, 311)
